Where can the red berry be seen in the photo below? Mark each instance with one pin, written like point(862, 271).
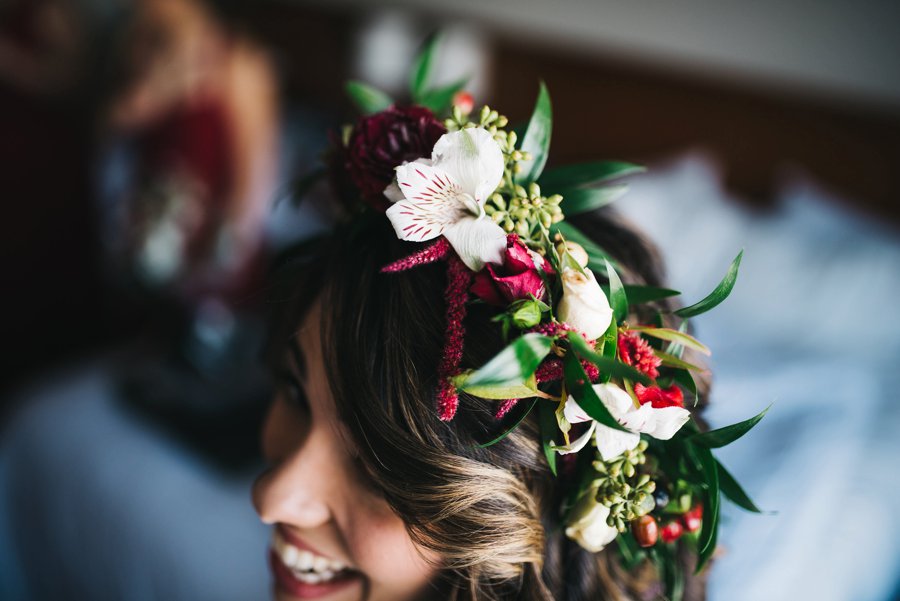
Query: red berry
point(671, 531)
point(645, 530)
point(464, 101)
point(693, 519)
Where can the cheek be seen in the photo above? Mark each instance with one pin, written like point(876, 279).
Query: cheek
point(395, 566)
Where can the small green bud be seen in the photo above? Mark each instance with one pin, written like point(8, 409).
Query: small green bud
point(498, 201)
point(493, 116)
point(557, 217)
point(511, 139)
point(546, 218)
point(522, 228)
point(555, 199)
point(520, 191)
point(534, 190)
point(502, 121)
point(485, 113)
point(508, 225)
point(490, 209)
point(497, 216)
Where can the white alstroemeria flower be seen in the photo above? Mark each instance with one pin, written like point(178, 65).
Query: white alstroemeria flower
point(446, 197)
point(584, 306)
point(659, 423)
point(587, 525)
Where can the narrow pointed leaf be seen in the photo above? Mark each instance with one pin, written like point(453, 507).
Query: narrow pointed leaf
point(673, 336)
point(684, 377)
point(580, 388)
point(596, 255)
point(606, 365)
point(731, 489)
point(585, 174)
point(647, 294)
point(438, 100)
point(720, 293)
point(366, 98)
point(617, 297)
point(548, 432)
point(673, 361)
point(514, 364)
point(537, 138)
point(706, 545)
point(421, 73)
point(511, 429)
point(674, 348)
point(589, 199)
point(524, 390)
point(720, 437)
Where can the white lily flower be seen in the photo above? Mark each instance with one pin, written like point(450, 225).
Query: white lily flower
point(659, 423)
point(446, 197)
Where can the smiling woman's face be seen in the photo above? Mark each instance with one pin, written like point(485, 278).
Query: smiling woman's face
point(336, 538)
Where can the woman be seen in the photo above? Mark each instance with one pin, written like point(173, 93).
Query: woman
point(417, 453)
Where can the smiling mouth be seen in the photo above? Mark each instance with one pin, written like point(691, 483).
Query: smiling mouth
point(305, 574)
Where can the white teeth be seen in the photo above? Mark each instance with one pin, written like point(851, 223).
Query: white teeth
point(305, 565)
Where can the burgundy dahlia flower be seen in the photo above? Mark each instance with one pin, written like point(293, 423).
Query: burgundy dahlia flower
point(383, 141)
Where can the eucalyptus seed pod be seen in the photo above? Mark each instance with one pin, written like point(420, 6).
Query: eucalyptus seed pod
point(508, 225)
point(503, 122)
point(629, 469)
point(555, 199)
point(557, 217)
point(490, 209)
point(645, 530)
point(497, 216)
point(485, 113)
point(511, 138)
point(522, 228)
point(493, 116)
point(520, 191)
point(534, 190)
point(546, 219)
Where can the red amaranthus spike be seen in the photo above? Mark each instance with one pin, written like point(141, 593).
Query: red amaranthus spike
point(458, 280)
point(432, 253)
point(636, 352)
point(505, 407)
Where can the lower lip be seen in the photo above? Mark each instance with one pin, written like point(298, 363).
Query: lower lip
point(287, 582)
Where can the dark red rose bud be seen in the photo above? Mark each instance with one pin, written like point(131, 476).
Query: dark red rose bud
point(671, 531)
point(693, 519)
point(645, 530)
point(516, 279)
point(383, 141)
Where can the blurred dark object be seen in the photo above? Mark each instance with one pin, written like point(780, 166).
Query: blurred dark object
point(52, 292)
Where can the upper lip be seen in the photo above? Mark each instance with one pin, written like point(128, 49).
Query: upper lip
point(298, 542)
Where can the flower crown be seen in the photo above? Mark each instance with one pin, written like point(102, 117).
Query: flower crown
point(610, 395)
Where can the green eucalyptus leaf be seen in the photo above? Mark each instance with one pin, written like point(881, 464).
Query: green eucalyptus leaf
point(673, 361)
point(618, 300)
point(734, 491)
point(366, 98)
point(706, 544)
point(439, 100)
point(547, 415)
point(606, 365)
point(684, 377)
point(720, 437)
point(421, 73)
point(584, 200)
point(537, 138)
point(674, 348)
point(647, 294)
point(514, 364)
point(720, 293)
point(578, 385)
point(585, 174)
point(673, 336)
point(596, 255)
point(526, 389)
point(511, 429)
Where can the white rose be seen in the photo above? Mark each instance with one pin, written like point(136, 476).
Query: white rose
point(588, 525)
point(583, 305)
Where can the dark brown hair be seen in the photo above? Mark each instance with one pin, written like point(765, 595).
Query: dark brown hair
point(492, 514)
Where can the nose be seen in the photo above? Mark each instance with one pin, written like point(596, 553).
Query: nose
point(297, 489)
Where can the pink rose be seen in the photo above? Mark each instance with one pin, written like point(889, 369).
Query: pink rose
point(518, 278)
